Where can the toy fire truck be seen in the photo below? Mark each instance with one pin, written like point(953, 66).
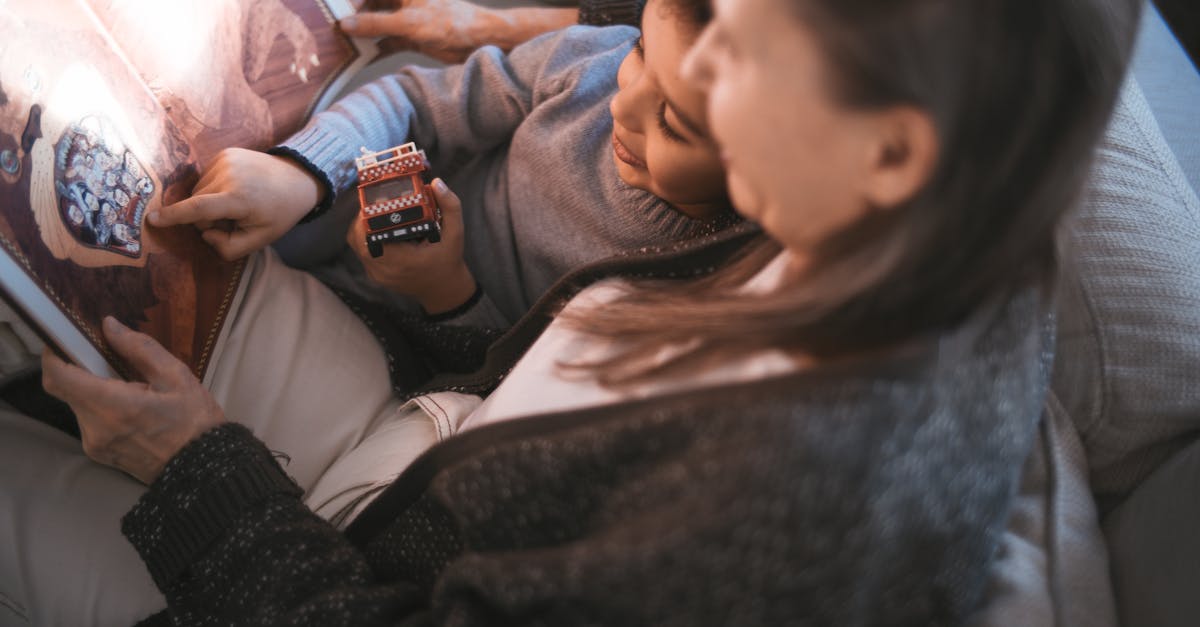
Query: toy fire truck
point(397, 203)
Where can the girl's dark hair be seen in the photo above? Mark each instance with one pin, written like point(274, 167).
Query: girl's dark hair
point(1019, 92)
point(691, 14)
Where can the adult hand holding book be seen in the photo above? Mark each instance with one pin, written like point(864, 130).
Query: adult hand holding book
point(244, 201)
point(134, 426)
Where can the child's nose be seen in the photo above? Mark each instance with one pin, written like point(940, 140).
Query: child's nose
point(622, 111)
point(633, 106)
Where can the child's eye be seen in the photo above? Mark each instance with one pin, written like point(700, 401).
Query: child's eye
point(637, 47)
point(666, 129)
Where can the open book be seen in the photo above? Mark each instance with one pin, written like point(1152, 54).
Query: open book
point(109, 109)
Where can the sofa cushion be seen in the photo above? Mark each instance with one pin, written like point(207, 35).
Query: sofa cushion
point(1129, 313)
point(1052, 568)
point(1155, 547)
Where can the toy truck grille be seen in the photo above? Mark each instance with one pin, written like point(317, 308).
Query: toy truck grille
point(396, 202)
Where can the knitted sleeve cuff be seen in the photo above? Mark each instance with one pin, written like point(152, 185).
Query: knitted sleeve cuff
point(478, 311)
point(209, 484)
point(611, 12)
point(326, 185)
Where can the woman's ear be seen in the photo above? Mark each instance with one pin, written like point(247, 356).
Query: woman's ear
point(901, 155)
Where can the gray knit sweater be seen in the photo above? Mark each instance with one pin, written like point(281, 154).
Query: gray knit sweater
point(524, 140)
point(868, 494)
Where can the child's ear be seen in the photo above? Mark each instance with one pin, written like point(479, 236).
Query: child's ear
point(901, 155)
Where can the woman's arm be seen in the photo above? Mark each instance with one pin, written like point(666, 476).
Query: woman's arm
point(224, 535)
point(449, 30)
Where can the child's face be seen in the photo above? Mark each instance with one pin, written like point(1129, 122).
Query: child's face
point(660, 136)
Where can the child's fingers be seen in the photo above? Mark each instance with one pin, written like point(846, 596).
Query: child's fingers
point(201, 208)
point(233, 244)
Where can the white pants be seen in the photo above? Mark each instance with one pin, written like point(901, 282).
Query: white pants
point(298, 368)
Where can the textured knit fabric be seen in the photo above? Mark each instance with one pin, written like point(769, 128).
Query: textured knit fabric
point(859, 495)
point(525, 142)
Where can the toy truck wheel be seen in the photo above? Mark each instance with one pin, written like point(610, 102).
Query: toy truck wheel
point(375, 248)
point(434, 236)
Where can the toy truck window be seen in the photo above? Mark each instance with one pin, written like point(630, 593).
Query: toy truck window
point(387, 190)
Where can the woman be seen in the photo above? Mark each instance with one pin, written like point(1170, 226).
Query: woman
point(837, 445)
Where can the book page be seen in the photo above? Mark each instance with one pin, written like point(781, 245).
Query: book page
point(86, 150)
point(243, 73)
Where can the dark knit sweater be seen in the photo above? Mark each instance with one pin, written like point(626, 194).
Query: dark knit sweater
point(858, 495)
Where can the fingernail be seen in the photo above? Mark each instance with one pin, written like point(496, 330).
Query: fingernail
point(440, 185)
point(152, 217)
point(350, 22)
point(111, 325)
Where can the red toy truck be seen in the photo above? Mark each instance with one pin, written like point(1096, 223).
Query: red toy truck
point(397, 203)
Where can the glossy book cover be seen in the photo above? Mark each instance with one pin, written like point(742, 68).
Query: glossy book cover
point(111, 108)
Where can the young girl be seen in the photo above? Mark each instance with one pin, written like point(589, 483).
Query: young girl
point(571, 148)
point(826, 431)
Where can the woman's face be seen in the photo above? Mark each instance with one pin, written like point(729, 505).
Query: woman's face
point(793, 155)
point(660, 137)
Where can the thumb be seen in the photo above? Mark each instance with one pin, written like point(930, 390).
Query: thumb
point(447, 200)
point(204, 207)
point(232, 244)
point(450, 207)
point(381, 24)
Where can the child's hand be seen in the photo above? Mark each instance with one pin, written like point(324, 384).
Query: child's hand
point(244, 201)
point(434, 274)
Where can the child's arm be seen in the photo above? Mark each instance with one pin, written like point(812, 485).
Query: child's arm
point(245, 200)
point(454, 113)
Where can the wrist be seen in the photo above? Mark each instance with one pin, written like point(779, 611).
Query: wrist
point(449, 294)
point(313, 190)
point(514, 26)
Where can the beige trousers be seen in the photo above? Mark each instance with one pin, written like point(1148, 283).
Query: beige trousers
point(297, 367)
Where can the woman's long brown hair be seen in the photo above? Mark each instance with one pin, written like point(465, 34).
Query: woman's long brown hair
point(1019, 92)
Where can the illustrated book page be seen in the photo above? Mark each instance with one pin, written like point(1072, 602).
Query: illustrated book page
point(110, 109)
